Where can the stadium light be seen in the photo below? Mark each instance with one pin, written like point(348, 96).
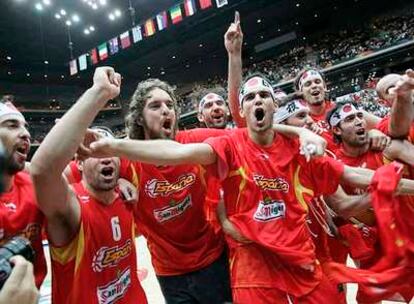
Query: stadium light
point(28, 74)
point(68, 23)
point(46, 62)
point(259, 20)
point(102, 2)
point(63, 12)
point(117, 13)
point(111, 17)
point(9, 73)
point(57, 16)
point(75, 18)
point(47, 2)
point(86, 32)
point(8, 58)
point(92, 28)
point(39, 6)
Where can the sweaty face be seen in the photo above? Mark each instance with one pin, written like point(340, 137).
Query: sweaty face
point(159, 117)
point(214, 114)
point(300, 119)
point(16, 141)
point(258, 109)
point(101, 173)
point(314, 90)
point(352, 130)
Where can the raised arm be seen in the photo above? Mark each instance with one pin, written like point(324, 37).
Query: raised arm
point(401, 150)
point(157, 152)
point(233, 41)
point(54, 197)
point(402, 111)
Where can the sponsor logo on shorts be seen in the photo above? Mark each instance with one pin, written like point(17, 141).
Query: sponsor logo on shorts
point(268, 210)
point(157, 187)
point(272, 184)
point(115, 289)
point(111, 256)
point(170, 212)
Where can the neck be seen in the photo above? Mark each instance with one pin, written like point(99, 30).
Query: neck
point(354, 151)
point(106, 197)
point(262, 138)
point(317, 109)
point(7, 182)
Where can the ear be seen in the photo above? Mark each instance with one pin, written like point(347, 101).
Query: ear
point(337, 131)
point(200, 117)
point(139, 121)
point(241, 112)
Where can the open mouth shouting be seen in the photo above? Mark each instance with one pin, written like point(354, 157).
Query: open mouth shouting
point(167, 127)
point(259, 115)
point(108, 173)
point(21, 150)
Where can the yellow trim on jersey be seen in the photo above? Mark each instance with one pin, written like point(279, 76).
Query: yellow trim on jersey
point(73, 250)
point(300, 190)
point(202, 174)
point(242, 172)
point(135, 178)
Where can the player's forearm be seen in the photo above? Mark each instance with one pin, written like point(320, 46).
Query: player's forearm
point(63, 140)
point(162, 152)
point(348, 205)
point(235, 75)
point(371, 119)
point(402, 113)
point(401, 150)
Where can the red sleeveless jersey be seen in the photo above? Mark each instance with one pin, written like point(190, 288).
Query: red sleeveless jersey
point(267, 191)
point(99, 265)
point(170, 214)
point(19, 215)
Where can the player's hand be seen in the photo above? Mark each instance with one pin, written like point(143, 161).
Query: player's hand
point(107, 82)
point(311, 145)
point(229, 229)
point(84, 151)
point(315, 129)
point(405, 86)
point(233, 38)
point(20, 286)
point(128, 191)
point(378, 140)
point(102, 148)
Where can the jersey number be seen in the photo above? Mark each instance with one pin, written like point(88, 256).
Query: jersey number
point(116, 228)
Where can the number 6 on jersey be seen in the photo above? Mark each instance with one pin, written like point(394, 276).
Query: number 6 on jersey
point(116, 228)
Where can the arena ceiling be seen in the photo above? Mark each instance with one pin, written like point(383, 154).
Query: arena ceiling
point(35, 43)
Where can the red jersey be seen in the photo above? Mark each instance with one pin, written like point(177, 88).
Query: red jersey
point(214, 186)
point(76, 174)
point(267, 191)
point(321, 122)
point(19, 215)
point(99, 264)
point(171, 211)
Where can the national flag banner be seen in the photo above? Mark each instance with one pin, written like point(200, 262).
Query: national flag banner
point(205, 4)
point(149, 28)
point(162, 20)
point(113, 46)
point(125, 40)
point(136, 33)
point(221, 3)
point(83, 65)
point(73, 68)
point(176, 15)
point(189, 7)
point(103, 51)
point(93, 55)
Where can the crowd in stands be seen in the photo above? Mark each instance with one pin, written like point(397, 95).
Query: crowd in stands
point(324, 51)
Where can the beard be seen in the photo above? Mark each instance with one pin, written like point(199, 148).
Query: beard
point(12, 167)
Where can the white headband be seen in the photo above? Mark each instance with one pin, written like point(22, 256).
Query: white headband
point(305, 76)
point(288, 110)
point(8, 111)
point(255, 84)
point(347, 110)
point(208, 97)
point(103, 132)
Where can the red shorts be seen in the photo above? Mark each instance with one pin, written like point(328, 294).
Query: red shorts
point(325, 292)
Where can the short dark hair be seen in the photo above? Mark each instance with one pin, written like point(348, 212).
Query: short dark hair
point(337, 107)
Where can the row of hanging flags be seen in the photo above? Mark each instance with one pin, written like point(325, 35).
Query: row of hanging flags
point(139, 32)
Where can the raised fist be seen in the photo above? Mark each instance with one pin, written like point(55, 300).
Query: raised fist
point(107, 82)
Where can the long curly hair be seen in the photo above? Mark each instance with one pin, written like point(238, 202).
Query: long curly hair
point(134, 117)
